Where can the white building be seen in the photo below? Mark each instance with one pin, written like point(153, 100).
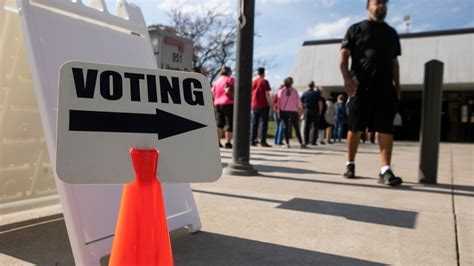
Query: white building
point(319, 61)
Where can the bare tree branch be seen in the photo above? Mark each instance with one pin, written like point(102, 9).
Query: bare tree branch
point(213, 32)
point(214, 35)
point(266, 62)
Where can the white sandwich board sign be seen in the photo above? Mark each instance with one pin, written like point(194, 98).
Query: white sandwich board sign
point(56, 32)
point(104, 110)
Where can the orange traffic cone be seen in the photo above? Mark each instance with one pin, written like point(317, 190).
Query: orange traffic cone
point(141, 235)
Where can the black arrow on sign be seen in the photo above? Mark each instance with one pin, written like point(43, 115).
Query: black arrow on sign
point(162, 123)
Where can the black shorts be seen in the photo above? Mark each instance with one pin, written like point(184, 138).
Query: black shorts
point(374, 111)
point(224, 116)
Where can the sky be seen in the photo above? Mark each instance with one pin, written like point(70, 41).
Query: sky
point(282, 26)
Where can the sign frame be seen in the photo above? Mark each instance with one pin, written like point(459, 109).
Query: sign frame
point(105, 110)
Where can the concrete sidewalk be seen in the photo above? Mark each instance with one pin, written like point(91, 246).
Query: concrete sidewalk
point(300, 211)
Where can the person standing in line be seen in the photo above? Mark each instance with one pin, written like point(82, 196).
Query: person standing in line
point(372, 136)
point(340, 117)
point(322, 122)
point(276, 117)
point(373, 84)
point(290, 109)
point(312, 107)
point(329, 117)
point(223, 91)
point(261, 101)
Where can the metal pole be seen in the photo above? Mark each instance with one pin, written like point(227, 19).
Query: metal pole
point(241, 153)
point(431, 122)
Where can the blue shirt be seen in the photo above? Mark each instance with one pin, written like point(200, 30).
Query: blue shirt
point(341, 113)
point(310, 100)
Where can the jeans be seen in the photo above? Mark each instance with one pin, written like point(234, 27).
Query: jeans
point(337, 130)
point(278, 129)
point(291, 119)
point(257, 115)
point(311, 126)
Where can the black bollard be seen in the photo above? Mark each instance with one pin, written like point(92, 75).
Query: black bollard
point(242, 99)
point(431, 122)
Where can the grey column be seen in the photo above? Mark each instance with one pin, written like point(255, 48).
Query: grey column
point(431, 122)
point(241, 151)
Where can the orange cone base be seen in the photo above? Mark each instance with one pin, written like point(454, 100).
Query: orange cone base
point(141, 235)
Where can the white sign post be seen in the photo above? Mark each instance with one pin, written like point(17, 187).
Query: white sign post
point(104, 110)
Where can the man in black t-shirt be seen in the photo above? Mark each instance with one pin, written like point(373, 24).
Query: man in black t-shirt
point(373, 85)
point(312, 105)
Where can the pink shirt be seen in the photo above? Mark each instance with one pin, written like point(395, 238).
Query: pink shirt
point(289, 103)
point(218, 89)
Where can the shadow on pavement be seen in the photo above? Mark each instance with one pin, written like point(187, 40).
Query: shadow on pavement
point(204, 248)
point(281, 169)
point(258, 153)
point(292, 151)
point(358, 152)
point(40, 242)
point(291, 170)
point(415, 188)
point(239, 196)
point(268, 153)
point(253, 158)
point(354, 212)
point(273, 160)
point(446, 186)
point(46, 243)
